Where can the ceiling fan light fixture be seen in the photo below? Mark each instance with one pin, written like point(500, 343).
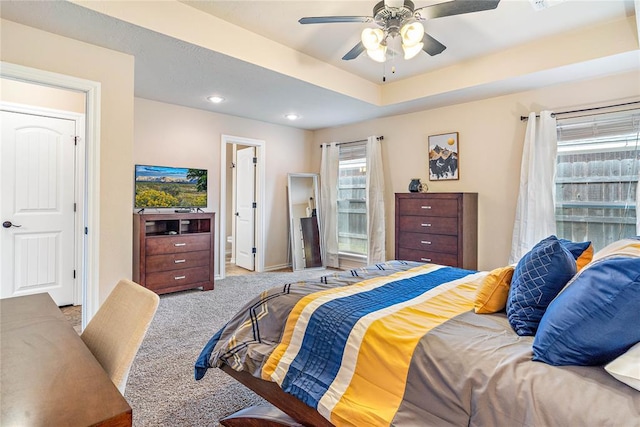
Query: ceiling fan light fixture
point(412, 33)
point(411, 51)
point(372, 38)
point(379, 54)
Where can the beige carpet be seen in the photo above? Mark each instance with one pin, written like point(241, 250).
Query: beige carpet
point(73, 313)
point(161, 389)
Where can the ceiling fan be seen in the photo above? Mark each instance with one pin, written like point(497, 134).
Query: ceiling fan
point(400, 18)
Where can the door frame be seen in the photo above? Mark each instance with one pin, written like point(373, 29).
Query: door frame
point(260, 201)
point(78, 182)
point(89, 210)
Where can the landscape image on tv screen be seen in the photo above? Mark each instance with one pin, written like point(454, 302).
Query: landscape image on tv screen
point(170, 187)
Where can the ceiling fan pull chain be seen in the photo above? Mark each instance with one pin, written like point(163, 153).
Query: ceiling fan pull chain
point(393, 62)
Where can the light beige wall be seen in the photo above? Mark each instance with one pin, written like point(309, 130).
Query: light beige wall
point(172, 135)
point(491, 136)
point(34, 48)
point(41, 96)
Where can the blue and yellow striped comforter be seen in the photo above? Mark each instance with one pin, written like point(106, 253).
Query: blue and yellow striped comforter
point(343, 344)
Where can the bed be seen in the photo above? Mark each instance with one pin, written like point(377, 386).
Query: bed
point(400, 343)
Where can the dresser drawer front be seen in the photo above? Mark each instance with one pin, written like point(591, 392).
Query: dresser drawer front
point(178, 261)
point(183, 243)
point(429, 242)
point(429, 207)
point(429, 224)
point(427, 256)
point(173, 278)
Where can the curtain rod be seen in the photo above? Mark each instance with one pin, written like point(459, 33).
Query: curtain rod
point(379, 138)
point(524, 118)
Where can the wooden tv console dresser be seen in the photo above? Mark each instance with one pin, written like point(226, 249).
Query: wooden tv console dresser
point(173, 252)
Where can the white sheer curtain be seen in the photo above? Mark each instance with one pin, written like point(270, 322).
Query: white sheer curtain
point(638, 206)
point(329, 203)
point(535, 211)
point(375, 202)
point(638, 188)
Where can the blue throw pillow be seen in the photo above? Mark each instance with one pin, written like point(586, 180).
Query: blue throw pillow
point(596, 318)
point(539, 276)
point(576, 248)
point(581, 251)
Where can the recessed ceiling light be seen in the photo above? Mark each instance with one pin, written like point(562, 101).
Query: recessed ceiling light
point(215, 99)
point(292, 116)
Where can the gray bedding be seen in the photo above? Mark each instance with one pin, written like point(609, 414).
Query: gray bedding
point(475, 370)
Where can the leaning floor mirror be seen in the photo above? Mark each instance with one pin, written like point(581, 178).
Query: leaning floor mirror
point(304, 220)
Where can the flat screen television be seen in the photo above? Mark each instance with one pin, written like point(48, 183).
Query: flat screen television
point(170, 187)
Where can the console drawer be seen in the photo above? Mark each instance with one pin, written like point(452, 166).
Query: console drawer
point(428, 224)
point(174, 278)
point(430, 207)
point(429, 242)
point(181, 243)
point(428, 256)
point(176, 261)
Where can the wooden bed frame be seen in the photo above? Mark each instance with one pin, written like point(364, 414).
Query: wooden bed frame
point(287, 411)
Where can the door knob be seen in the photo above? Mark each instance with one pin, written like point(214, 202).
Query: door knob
point(8, 224)
point(237, 213)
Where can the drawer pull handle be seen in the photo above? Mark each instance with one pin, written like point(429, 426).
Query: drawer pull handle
point(179, 244)
point(180, 277)
point(425, 259)
point(425, 242)
point(179, 261)
point(426, 207)
point(426, 225)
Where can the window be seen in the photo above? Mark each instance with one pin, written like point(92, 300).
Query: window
point(597, 177)
point(352, 200)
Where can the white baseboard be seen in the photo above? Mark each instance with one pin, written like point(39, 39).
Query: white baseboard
point(350, 263)
point(277, 267)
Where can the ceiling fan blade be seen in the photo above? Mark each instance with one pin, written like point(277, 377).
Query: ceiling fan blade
point(333, 19)
point(355, 52)
point(454, 7)
point(431, 45)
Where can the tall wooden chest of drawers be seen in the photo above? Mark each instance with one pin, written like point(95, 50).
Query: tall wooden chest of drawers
point(173, 252)
point(441, 228)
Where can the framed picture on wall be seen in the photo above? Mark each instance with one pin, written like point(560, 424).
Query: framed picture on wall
point(443, 156)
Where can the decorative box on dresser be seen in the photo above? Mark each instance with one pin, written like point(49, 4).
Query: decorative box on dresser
point(441, 228)
point(173, 252)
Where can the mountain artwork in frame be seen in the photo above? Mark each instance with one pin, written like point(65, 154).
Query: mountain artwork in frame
point(443, 156)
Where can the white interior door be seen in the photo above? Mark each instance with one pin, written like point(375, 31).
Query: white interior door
point(245, 210)
point(37, 241)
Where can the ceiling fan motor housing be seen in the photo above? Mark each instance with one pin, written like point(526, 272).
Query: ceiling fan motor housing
point(391, 18)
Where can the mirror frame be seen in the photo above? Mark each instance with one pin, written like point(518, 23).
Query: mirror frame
point(291, 177)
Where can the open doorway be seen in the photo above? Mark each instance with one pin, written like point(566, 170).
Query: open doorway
point(241, 230)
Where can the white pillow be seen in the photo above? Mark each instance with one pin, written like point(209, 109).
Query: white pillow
point(626, 367)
